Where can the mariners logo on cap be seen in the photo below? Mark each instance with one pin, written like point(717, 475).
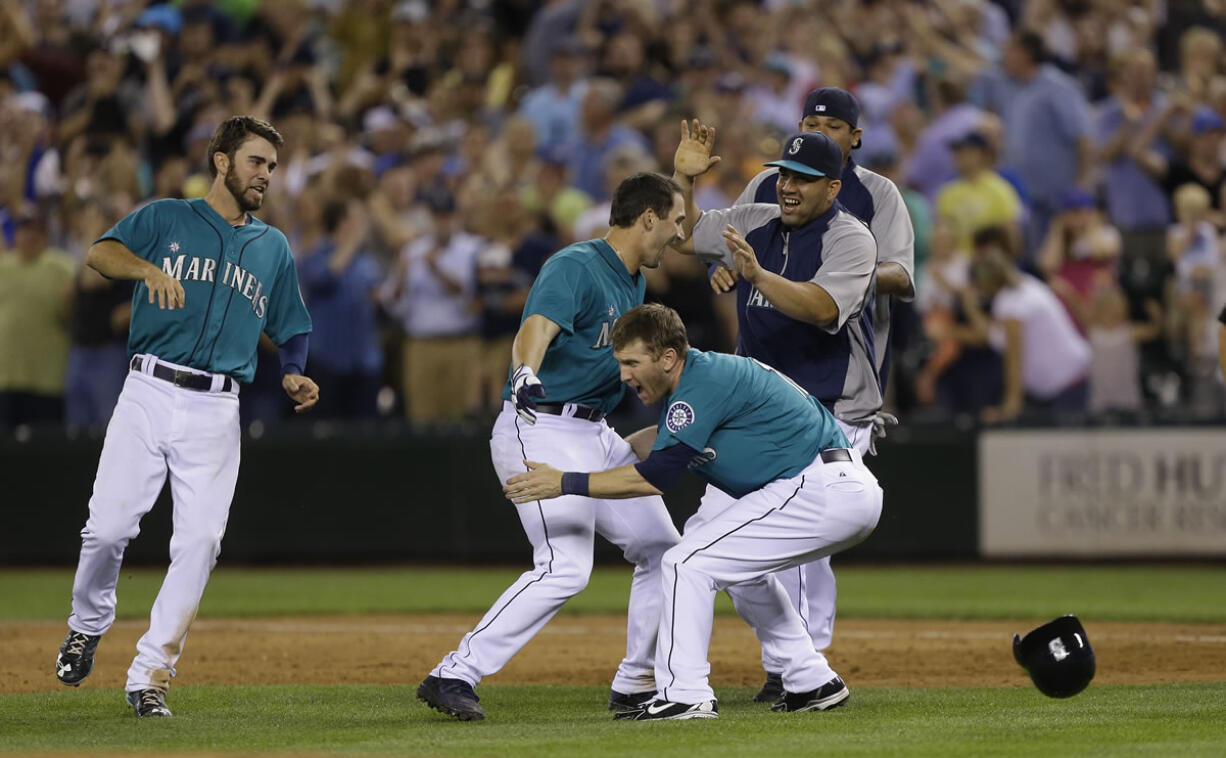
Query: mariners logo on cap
point(679, 416)
point(795, 148)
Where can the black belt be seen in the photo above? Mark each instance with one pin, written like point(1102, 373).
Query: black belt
point(835, 454)
point(186, 379)
point(581, 411)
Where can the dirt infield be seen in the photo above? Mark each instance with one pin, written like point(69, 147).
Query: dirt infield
point(586, 649)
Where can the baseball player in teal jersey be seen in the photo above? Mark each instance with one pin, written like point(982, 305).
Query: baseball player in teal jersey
point(797, 491)
point(210, 277)
point(563, 380)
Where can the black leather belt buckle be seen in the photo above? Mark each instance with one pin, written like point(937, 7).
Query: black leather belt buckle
point(835, 454)
point(183, 379)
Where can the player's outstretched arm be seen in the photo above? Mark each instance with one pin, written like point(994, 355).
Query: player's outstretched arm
point(115, 261)
point(692, 159)
point(543, 482)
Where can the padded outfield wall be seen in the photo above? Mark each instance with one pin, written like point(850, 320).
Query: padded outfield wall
point(314, 494)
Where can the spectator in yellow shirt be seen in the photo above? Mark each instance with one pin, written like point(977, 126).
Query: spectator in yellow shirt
point(979, 197)
point(35, 290)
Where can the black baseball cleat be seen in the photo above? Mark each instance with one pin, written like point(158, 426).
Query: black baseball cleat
point(662, 710)
point(629, 701)
point(832, 694)
point(76, 658)
point(150, 703)
point(772, 690)
point(454, 697)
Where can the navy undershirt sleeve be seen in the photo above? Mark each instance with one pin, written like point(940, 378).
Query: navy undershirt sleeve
point(293, 353)
point(662, 468)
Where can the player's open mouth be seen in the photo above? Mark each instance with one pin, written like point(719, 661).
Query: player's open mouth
point(790, 203)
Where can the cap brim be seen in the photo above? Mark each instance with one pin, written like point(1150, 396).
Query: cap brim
point(796, 166)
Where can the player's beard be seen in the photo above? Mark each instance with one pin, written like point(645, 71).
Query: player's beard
point(239, 193)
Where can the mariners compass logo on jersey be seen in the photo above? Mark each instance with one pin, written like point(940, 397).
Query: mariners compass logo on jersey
point(679, 416)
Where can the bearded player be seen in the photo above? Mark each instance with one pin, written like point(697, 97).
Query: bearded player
point(210, 278)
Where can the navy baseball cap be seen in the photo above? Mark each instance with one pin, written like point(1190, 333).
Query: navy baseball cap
point(812, 154)
point(833, 102)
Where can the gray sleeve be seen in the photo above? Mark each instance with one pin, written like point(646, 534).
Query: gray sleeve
point(708, 233)
point(849, 264)
point(751, 190)
point(891, 226)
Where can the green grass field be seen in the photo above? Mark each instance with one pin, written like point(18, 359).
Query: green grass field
point(542, 721)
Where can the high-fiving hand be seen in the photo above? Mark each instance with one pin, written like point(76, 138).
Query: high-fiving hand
point(693, 157)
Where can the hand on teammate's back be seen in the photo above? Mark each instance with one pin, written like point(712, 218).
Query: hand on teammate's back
point(723, 279)
point(165, 290)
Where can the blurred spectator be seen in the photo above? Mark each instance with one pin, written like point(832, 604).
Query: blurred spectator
point(506, 269)
point(1135, 202)
point(433, 290)
point(35, 290)
point(979, 197)
point(600, 133)
point(952, 118)
point(1201, 163)
point(1080, 253)
point(551, 196)
point(339, 280)
point(553, 108)
point(1046, 361)
point(1115, 370)
point(1046, 121)
point(101, 309)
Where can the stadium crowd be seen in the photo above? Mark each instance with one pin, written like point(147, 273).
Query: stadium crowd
point(1063, 162)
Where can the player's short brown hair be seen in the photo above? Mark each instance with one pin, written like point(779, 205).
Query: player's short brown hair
point(236, 130)
point(640, 192)
point(658, 326)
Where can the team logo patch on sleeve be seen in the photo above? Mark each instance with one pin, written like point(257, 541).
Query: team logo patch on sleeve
point(679, 416)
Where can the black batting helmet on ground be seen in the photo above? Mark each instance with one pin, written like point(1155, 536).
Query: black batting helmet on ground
point(1058, 656)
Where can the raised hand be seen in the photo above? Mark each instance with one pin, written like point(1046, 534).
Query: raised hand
point(693, 157)
point(743, 256)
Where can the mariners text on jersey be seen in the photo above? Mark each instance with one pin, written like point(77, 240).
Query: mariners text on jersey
point(202, 269)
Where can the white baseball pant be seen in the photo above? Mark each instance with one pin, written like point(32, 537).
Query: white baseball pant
point(739, 546)
point(158, 428)
point(562, 532)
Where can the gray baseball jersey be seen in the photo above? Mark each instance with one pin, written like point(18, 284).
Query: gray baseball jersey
point(834, 363)
point(877, 202)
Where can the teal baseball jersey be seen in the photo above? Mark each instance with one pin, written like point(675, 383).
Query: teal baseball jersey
point(752, 424)
point(582, 288)
point(237, 281)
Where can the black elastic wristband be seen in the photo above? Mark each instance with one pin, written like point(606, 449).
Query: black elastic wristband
point(575, 483)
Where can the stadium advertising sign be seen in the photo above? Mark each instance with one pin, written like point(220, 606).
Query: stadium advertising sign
point(1116, 492)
